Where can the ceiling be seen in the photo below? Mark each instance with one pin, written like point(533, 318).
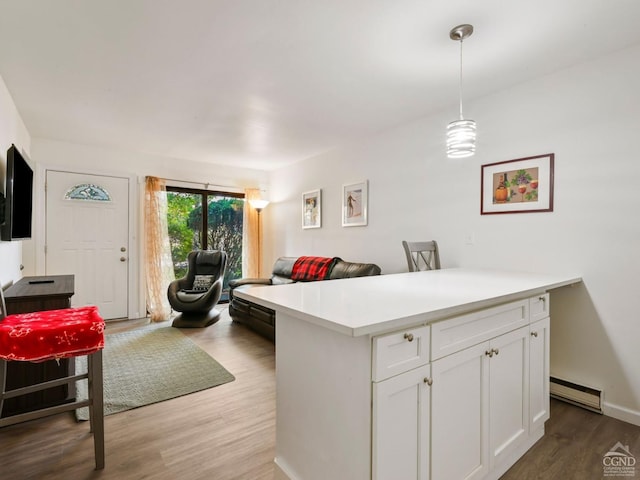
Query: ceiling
point(264, 83)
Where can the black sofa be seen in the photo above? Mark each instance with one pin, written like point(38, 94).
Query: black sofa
point(263, 320)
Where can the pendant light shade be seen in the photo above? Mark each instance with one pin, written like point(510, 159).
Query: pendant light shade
point(461, 134)
point(461, 138)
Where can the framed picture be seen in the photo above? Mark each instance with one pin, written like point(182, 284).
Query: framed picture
point(355, 197)
point(312, 209)
point(523, 185)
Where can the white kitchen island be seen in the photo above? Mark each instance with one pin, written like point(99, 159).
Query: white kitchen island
point(427, 375)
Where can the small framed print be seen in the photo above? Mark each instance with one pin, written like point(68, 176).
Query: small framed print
point(523, 185)
point(312, 209)
point(355, 197)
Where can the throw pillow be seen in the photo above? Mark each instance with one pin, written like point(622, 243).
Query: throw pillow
point(202, 282)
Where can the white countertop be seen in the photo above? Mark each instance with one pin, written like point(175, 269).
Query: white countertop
point(373, 305)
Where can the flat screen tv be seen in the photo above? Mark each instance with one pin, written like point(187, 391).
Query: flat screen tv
point(18, 198)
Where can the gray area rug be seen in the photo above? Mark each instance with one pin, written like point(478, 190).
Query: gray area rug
point(150, 365)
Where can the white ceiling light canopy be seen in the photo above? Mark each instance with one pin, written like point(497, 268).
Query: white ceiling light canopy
point(461, 133)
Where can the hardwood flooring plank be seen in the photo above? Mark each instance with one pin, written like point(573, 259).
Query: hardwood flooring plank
point(573, 446)
point(223, 433)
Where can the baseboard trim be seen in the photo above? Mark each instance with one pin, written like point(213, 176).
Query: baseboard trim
point(621, 413)
point(280, 472)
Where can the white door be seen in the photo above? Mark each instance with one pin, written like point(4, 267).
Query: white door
point(87, 223)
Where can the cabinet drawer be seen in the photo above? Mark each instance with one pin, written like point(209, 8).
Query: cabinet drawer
point(539, 307)
point(398, 352)
point(455, 334)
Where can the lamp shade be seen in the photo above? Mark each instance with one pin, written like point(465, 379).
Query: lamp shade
point(461, 138)
point(258, 204)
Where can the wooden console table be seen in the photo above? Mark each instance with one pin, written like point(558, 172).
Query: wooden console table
point(36, 294)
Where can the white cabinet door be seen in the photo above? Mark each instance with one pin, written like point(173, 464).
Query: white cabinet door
point(508, 393)
point(539, 373)
point(480, 406)
point(460, 415)
point(401, 426)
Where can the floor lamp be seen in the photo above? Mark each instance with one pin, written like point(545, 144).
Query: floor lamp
point(259, 205)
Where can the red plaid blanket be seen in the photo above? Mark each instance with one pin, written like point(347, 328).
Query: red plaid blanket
point(309, 269)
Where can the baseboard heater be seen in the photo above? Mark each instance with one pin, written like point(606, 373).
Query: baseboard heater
point(585, 397)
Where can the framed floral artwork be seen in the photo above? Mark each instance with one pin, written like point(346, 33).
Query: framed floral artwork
point(312, 209)
point(523, 185)
point(355, 197)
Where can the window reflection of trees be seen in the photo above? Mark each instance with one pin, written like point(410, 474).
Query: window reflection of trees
point(222, 221)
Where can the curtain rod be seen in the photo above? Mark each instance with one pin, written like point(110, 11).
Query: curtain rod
point(205, 184)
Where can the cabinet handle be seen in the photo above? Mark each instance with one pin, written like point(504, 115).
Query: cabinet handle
point(496, 351)
point(489, 353)
point(409, 336)
point(428, 381)
point(534, 334)
point(542, 298)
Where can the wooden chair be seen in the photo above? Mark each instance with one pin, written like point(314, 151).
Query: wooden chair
point(51, 335)
point(422, 255)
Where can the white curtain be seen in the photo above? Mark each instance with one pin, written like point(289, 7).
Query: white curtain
point(158, 264)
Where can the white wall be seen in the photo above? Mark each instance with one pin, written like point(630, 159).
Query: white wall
point(57, 155)
point(589, 116)
point(12, 130)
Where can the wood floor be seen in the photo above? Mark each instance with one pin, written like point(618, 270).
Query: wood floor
point(574, 443)
point(228, 432)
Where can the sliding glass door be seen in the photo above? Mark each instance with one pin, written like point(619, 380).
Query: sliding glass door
point(216, 227)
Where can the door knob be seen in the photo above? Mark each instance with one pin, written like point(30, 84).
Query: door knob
point(123, 249)
point(123, 259)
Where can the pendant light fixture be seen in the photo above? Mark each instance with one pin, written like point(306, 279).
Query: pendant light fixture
point(461, 134)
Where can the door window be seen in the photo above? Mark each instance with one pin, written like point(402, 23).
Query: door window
point(87, 191)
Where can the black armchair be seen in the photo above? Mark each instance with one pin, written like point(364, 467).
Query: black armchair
point(197, 293)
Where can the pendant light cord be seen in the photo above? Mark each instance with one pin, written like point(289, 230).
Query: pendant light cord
point(460, 82)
